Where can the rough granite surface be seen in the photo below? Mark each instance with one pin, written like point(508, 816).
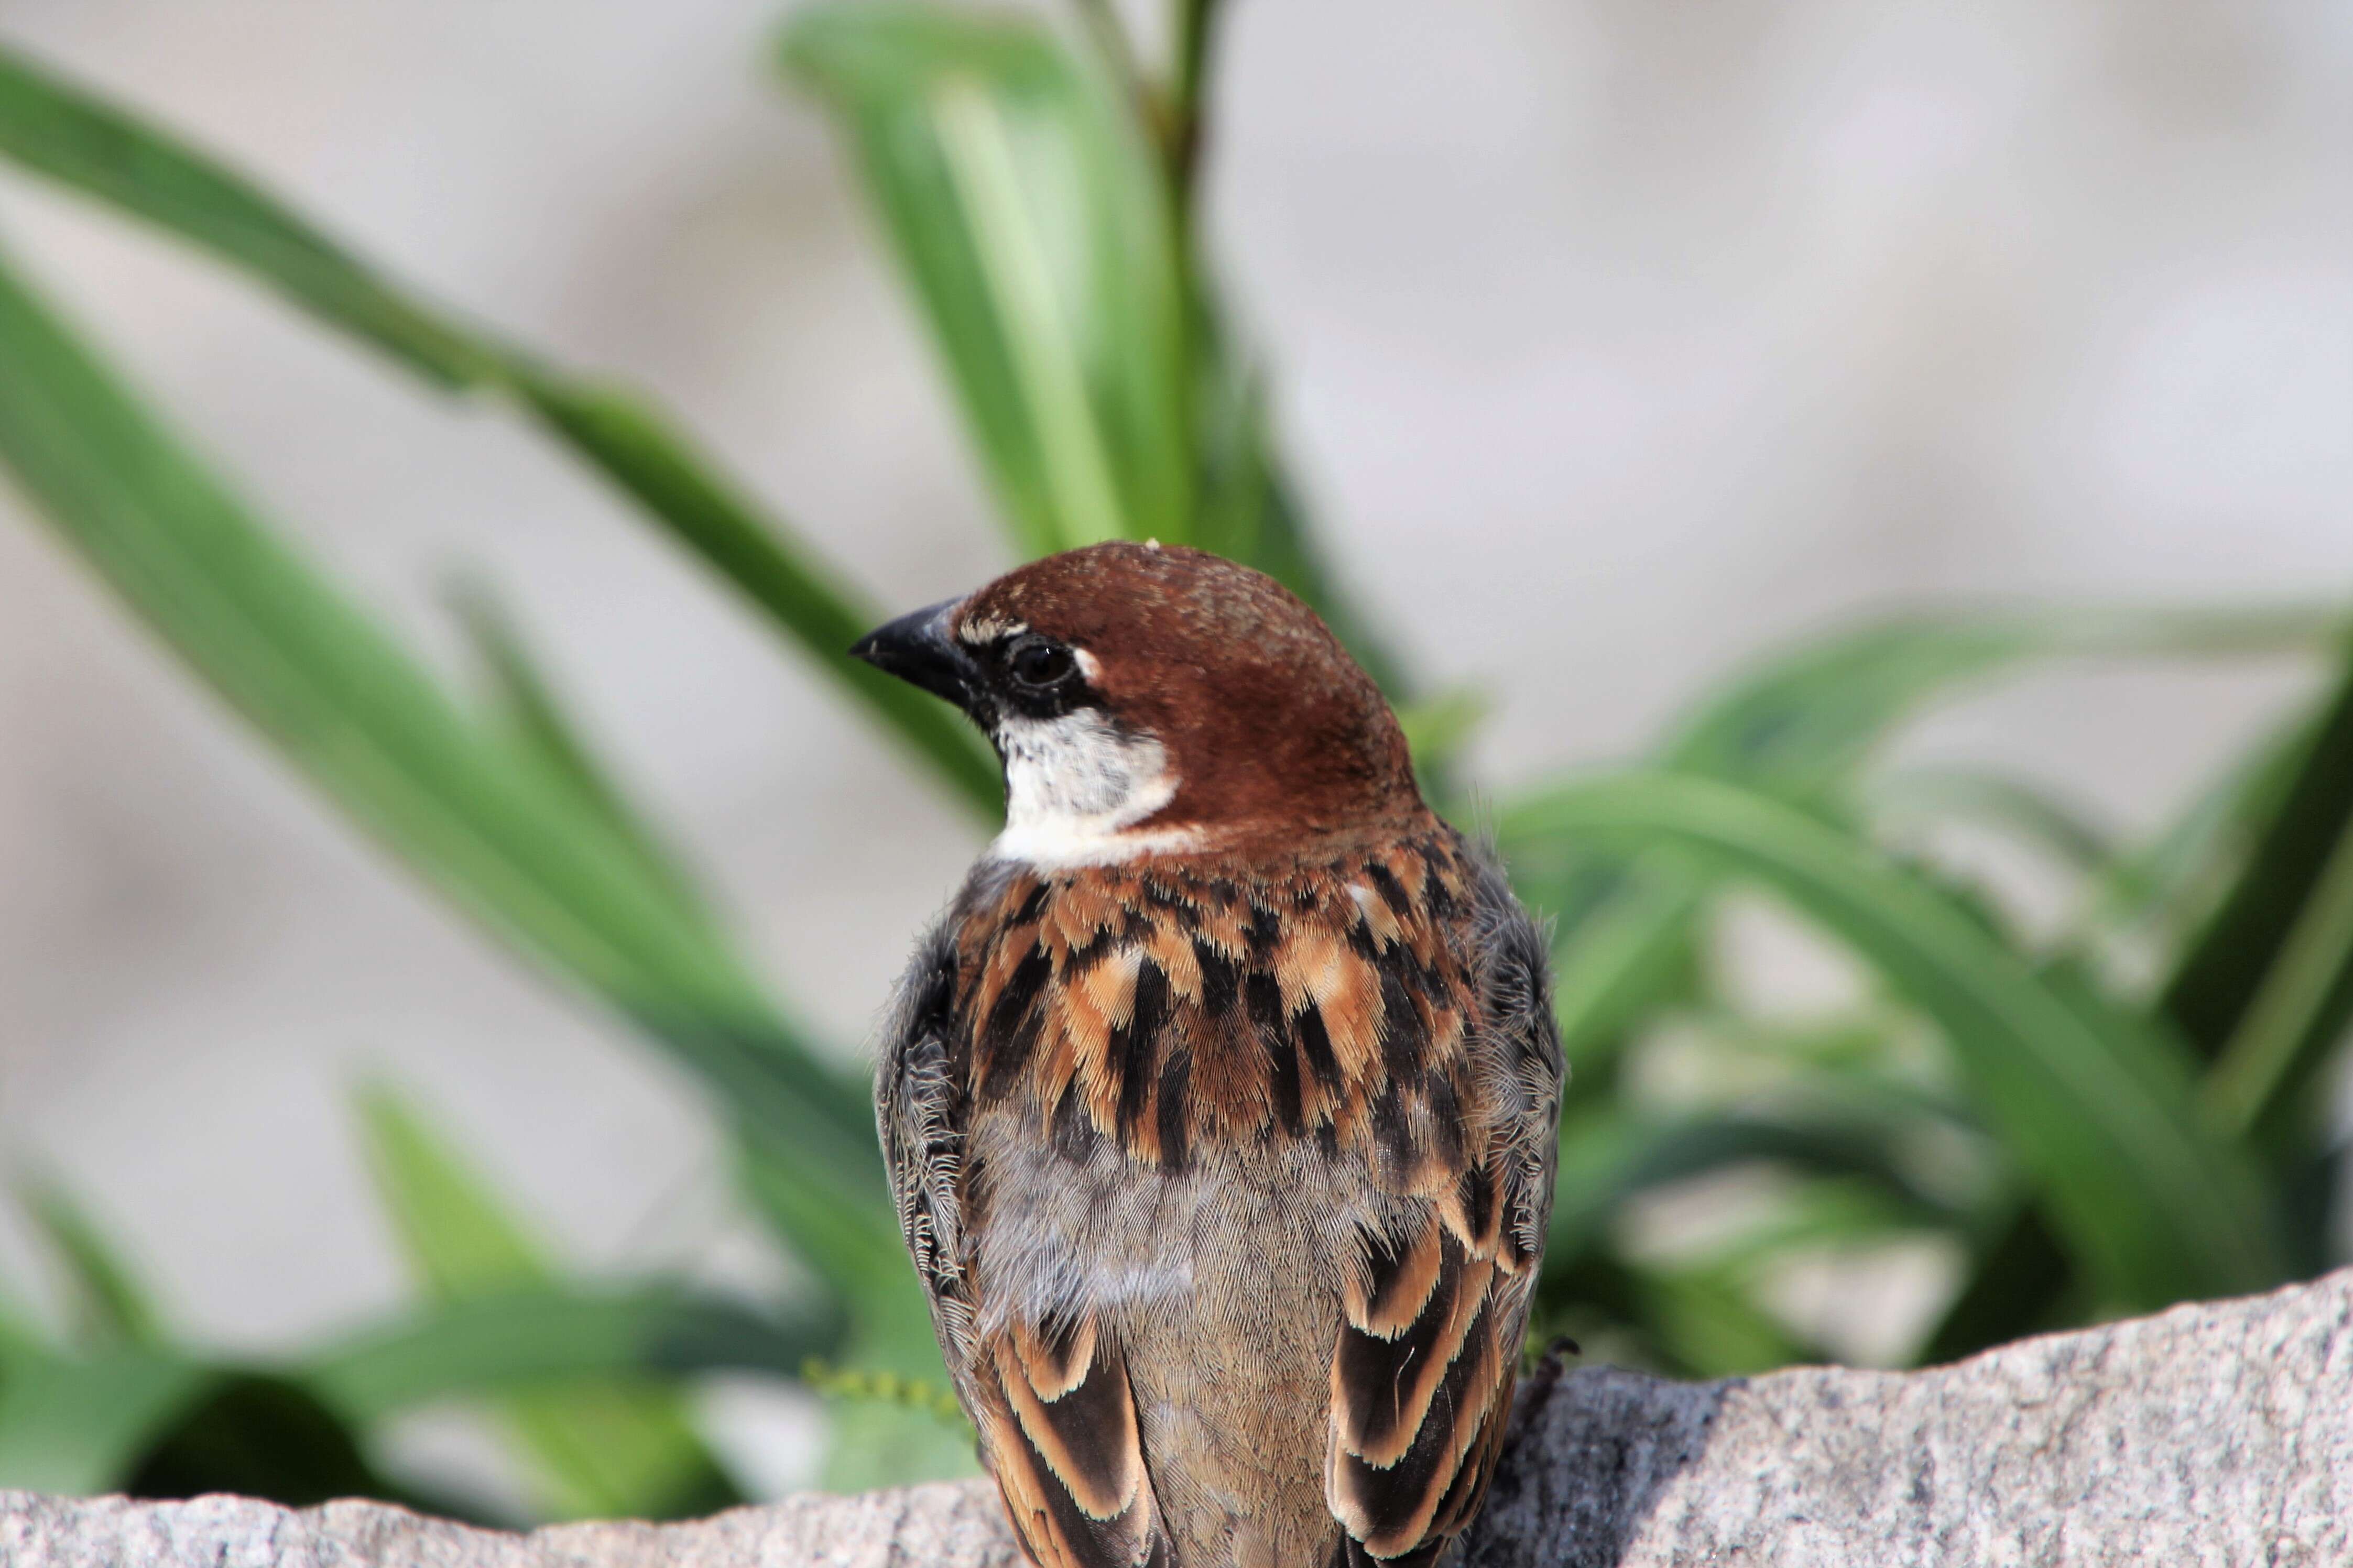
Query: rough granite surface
point(2217, 1434)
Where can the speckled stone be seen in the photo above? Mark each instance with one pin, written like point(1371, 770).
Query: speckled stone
point(2216, 1434)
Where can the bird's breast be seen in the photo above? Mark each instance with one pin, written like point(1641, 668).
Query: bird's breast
point(1234, 1229)
point(1187, 1011)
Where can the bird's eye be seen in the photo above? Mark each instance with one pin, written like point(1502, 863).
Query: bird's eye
point(1038, 664)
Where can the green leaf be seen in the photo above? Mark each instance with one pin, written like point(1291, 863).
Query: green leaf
point(2032, 814)
point(2176, 879)
point(1707, 1320)
point(870, 1443)
point(76, 1427)
point(1803, 720)
point(1820, 1215)
point(530, 1336)
point(1624, 945)
point(86, 144)
point(2021, 1281)
point(257, 1435)
point(2099, 1113)
point(1438, 728)
point(1799, 724)
point(2267, 989)
point(533, 717)
point(855, 1247)
point(1034, 229)
point(76, 139)
point(345, 704)
point(608, 1446)
point(1609, 1157)
point(458, 1238)
point(114, 1309)
point(155, 1423)
point(699, 505)
point(2018, 1285)
point(19, 1334)
point(2273, 1062)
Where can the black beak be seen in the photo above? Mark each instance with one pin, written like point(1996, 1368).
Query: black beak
point(917, 649)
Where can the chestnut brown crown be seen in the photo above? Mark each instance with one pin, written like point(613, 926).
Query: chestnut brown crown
point(1225, 703)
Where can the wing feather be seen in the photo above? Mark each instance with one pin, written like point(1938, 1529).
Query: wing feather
point(1410, 1401)
point(1052, 1401)
point(1429, 1348)
point(1066, 1448)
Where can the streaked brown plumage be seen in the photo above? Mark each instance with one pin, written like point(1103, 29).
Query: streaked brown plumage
point(1220, 1104)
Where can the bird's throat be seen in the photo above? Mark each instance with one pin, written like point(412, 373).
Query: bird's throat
point(1078, 791)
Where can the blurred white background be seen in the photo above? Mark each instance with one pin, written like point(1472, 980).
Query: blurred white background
point(1618, 339)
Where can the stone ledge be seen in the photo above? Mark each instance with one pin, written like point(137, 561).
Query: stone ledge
point(2218, 1433)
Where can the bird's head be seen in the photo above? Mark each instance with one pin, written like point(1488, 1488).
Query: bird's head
point(1152, 699)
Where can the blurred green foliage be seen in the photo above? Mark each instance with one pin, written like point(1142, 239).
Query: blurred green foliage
point(2121, 1113)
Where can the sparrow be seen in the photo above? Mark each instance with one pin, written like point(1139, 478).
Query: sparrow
point(1220, 1104)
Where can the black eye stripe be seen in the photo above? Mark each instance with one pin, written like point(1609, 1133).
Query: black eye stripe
point(1032, 676)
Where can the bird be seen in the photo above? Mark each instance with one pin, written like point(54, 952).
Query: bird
point(1220, 1103)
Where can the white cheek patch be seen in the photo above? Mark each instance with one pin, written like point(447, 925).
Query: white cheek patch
point(1075, 788)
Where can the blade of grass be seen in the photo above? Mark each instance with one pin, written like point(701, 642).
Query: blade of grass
point(2156, 1206)
point(1609, 1157)
point(1803, 720)
point(2274, 965)
point(2266, 991)
point(977, 145)
point(1799, 724)
point(20, 1334)
point(2023, 1281)
point(341, 701)
point(115, 1309)
point(2294, 871)
point(1107, 32)
point(608, 1446)
point(1615, 961)
point(1819, 1215)
point(2028, 813)
point(156, 1424)
point(2314, 1205)
point(73, 137)
point(77, 1427)
point(1247, 508)
point(533, 716)
point(870, 1442)
point(1710, 1325)
point(687, 492)
point(528, 1336)
point(2297, 1019)
point(1035, 236)
point(2174, 883)
point(2019, 1285)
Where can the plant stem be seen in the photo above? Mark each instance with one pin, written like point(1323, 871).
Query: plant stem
point(1195, 25)
point(1169, 110)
